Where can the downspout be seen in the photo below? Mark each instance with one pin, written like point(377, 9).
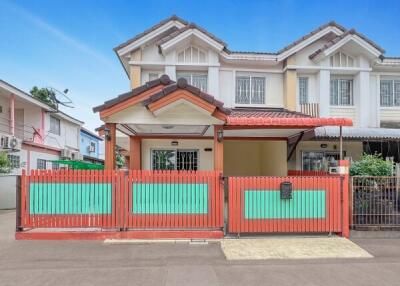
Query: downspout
point(12, 115)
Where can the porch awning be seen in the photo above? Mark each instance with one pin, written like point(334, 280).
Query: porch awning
point(270, 118)
point(328, 132)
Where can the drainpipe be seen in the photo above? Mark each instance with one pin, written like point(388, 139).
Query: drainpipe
point(341, 142)
point(12, 115)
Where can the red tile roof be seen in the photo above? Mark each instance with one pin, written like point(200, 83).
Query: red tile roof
point(281, 117)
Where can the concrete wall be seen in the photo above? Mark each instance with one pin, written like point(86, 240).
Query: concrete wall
point(8, 188)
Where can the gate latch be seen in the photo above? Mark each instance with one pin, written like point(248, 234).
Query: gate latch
point(286, 190)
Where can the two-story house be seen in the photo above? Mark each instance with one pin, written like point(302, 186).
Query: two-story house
point(33, 133)
point(91, 146)
point(332, 72)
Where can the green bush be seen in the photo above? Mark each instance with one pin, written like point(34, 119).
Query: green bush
point(371, 165)
point(5, 165)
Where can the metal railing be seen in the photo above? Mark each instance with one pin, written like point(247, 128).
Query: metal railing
point(311, 109)
point(375, 201)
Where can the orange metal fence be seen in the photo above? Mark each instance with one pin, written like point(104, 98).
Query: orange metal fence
point(318, 204)
point(120, 200)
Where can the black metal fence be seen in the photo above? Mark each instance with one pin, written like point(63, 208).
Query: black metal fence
point(375, 201)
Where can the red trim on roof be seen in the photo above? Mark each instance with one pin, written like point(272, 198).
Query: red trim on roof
point(287, 121)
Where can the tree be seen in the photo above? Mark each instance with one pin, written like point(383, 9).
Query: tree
point(45, 95)
point(5, 165)
point(371, 165)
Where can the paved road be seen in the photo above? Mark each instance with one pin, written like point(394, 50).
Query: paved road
point(94, 263)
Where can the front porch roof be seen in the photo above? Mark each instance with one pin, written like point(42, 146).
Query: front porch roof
point(272, 118)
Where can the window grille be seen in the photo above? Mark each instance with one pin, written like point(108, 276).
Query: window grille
point(303, 90)
point(14, 161)
point(390, 93)
point(175, 160)
point(250, 90)
point(341, 92)
point(195, 79)
point(41, 164)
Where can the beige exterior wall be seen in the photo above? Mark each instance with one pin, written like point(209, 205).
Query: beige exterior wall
point(290, 85)
point(353, 149)
point(135, 71)
point(255, 158)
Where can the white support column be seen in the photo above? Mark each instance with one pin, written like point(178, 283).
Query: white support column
point(323, 91)
point(171, 72)
point(213, 81)
point(362, 99)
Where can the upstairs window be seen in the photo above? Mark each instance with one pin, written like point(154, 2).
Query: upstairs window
point(192, 55)
point(250, 90)
point(303, 90)
point(198, 80)
point(55, 125)
point(341, 92)
point(390, 93)
point(341, 60)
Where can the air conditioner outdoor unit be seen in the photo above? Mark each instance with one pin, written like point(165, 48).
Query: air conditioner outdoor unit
point(66, 154)
point(77, 156)
point(10, 142)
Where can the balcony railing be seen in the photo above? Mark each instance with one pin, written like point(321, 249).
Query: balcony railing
point(311, 109)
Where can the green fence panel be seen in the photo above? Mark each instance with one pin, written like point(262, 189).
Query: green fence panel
point(267, 204)
point(70, 198)
point(154, 198)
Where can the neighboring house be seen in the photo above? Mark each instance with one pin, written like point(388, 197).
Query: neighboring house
point(39, 134)
point(91, 146)
point(332, 72)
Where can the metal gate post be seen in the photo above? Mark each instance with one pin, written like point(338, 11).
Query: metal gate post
point(225, 210)
point(18, 227)
point(344, 189)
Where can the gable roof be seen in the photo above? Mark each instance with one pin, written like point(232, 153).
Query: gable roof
point(341, 37)
point(169, 87)
point(163, 80)
point(183, 85)
point(186, 28)
point(151, 29)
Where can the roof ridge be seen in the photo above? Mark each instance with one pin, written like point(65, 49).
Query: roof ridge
point(154, 27)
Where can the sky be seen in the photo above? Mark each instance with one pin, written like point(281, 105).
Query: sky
point(68, 44)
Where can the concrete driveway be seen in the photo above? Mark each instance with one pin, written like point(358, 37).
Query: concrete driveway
point(95, 263)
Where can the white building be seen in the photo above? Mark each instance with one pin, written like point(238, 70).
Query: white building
point(330, 72)
point(33, 133)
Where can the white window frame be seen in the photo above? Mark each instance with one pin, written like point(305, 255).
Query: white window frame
point(189, 75)
point(394, 82)
point(250, 76)
point(307, 88)
point(325, 154)
point(51, 129)
point(339, 90)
